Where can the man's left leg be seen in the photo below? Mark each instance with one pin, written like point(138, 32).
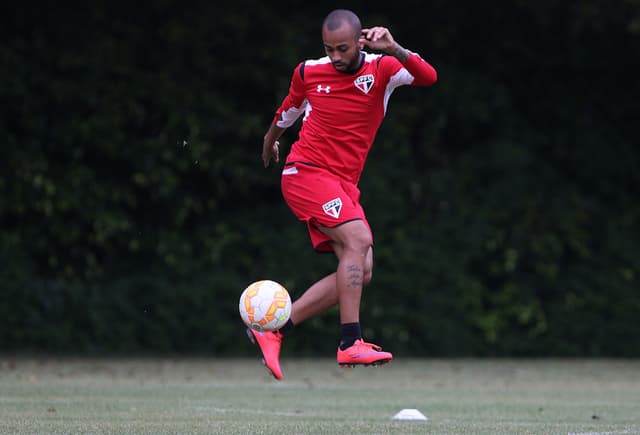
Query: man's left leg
point(353, 245)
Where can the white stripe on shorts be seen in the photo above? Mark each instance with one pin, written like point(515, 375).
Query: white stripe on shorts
point(290, 170)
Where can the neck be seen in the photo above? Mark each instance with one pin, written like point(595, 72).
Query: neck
point(358, 65)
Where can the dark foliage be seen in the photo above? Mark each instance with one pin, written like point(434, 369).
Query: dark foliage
point(504, 200)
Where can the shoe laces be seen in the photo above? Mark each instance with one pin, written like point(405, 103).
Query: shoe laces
point(274, 335)
point(269, 335)
point(363, 343)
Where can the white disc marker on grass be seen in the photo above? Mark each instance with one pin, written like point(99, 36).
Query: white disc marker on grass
point(410, 414)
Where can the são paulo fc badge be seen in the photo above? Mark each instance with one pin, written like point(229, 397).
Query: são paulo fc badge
point(364, 83)
point(333, 207)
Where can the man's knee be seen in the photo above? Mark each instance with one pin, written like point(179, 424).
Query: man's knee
point(359, 239)
point(368, 267)
point(368, 275)
point(351, 236)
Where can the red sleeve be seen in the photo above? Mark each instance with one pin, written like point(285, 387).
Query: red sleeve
point(423, 73)
point(294, 104)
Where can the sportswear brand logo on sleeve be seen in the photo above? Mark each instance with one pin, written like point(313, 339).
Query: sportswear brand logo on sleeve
point(325, 89)
point(364, 83)
point(333, 207)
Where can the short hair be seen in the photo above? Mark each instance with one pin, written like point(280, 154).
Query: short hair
point(337, 17)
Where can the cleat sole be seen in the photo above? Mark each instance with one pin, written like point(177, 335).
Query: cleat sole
point(250, 335)
point(372, 364)
point(264, 363)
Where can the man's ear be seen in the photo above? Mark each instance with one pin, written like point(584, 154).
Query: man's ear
point(361, 40)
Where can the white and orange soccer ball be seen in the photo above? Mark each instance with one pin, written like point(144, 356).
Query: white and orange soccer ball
point(265, 306)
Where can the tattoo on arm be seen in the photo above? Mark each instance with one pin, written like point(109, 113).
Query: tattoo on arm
point(400, 53)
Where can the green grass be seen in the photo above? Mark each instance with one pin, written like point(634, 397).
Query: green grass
point(237, 396)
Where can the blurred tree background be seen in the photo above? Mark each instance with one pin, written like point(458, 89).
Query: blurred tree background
point(504, 200)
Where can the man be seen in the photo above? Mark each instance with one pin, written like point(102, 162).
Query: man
point(344, 98)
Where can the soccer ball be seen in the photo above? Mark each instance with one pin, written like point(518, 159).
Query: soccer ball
point(265, 306)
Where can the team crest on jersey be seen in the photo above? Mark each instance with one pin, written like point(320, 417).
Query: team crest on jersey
point(364, 83)
point(333, 207)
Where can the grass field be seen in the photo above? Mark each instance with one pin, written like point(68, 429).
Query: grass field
point(49, 395)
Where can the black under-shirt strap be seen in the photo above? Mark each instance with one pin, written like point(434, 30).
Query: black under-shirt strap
point(302, 71)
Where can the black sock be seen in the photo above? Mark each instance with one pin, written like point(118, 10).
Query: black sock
point(287, 326)
point(350, 332)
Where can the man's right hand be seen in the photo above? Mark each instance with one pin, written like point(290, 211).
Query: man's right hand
point(270, 151)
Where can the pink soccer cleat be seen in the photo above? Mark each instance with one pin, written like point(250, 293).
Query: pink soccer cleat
point(363, 353)
point(269, 343)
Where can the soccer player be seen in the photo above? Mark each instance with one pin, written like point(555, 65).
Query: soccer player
point(344, 98)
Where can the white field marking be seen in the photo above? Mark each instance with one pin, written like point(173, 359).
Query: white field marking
point(618, 432)
point(249, 411)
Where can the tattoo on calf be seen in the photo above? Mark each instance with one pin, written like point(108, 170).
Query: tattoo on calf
point(355, 276)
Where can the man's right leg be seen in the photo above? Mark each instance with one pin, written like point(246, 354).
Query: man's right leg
point(318, 298)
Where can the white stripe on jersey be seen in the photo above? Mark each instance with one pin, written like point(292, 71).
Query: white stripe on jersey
point(402, 77)
point(289, 116)
point(368, 57)
point(320, 61)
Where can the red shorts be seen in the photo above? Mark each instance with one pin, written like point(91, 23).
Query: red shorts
point(320, 198)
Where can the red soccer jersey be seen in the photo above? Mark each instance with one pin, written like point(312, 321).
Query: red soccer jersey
point(343, 111)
